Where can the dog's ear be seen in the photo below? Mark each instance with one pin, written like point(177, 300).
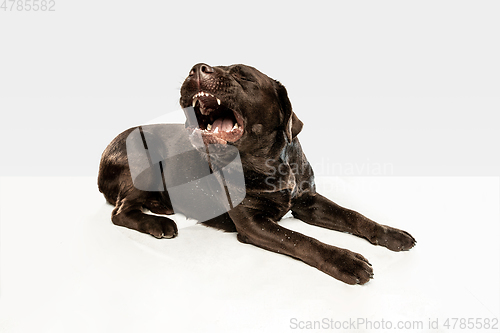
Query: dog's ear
point(293, 125)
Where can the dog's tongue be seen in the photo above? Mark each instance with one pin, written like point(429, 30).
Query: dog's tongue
point(222, 124)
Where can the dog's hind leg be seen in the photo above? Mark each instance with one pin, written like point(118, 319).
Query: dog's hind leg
point(128, 213)
point(317, 210)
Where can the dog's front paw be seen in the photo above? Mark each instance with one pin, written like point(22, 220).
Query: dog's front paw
point(394, 239)
point(347, 266)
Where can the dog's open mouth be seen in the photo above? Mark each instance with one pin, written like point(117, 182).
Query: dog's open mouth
point(217, 122)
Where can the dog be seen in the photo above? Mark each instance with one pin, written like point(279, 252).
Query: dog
point(238, 108)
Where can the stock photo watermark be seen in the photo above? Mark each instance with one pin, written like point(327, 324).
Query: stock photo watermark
point(149, 162)
point(331, 167)
point(277, 172)
point(479, 324)
point(215, 183)
point(28, 5)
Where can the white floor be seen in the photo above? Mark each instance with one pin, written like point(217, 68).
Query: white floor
point(65, 268)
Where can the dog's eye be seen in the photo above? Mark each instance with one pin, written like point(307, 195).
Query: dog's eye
point(240, 76)
point(247, 79)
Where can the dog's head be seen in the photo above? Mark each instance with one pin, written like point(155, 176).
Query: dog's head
point(238, 105)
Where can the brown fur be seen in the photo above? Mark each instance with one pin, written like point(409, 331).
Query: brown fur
point(269, 143)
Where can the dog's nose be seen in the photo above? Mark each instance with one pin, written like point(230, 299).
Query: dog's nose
point(201, 70)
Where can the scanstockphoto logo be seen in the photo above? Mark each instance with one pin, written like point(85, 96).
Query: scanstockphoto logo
point(164, 157)
point(330, 167)
point(205, 179)
point(358, 324)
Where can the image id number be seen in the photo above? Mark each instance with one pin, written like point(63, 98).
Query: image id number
point(28, 5)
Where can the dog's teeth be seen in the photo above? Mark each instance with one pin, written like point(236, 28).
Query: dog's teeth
point(235, 125)
point(218, 101)
point(209, 127)
point(194, 101)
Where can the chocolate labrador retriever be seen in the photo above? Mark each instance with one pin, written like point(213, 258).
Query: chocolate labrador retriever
point(237, 108)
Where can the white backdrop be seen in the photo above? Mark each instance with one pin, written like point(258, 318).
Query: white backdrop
point(410, 84)
point(385, 88)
